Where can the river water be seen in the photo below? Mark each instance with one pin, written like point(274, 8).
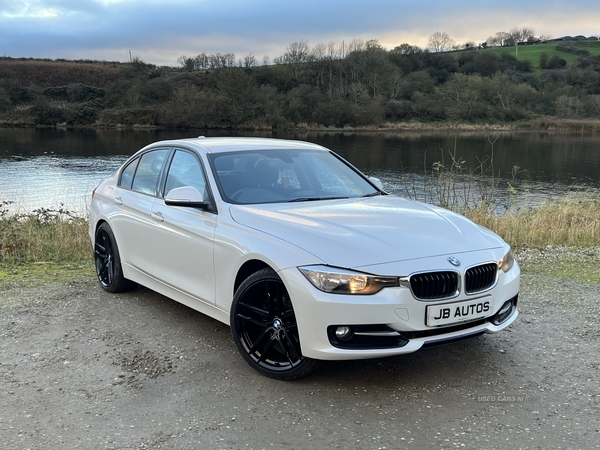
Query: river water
point(52, 168)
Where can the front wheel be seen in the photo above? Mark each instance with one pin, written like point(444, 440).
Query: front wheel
point(264, 328)
point(108, 261)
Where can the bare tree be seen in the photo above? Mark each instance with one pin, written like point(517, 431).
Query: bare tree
point(440, 42)
point(334, 51)
point(250, 61)
point(499, 39)
point(519, 35)
point(266, 60)
point(318, 52)
point(186, 63)
point(201, 61)
point(296, 53)
point(527, 34)
point(355, 45)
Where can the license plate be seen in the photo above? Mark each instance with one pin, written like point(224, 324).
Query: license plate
point(451, 313)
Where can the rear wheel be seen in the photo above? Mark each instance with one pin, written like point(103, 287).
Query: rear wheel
point(264, 328)
point(108, 261)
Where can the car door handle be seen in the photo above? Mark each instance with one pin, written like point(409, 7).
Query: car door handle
point(118, 200)
point(157, 215)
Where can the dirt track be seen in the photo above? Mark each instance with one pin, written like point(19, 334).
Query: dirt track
point(80, 368)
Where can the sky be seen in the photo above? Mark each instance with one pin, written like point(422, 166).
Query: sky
point(160, 31)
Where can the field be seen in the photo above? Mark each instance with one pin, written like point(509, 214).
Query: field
point(533, 52)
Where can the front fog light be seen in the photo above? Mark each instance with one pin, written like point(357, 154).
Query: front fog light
point(504, 313)
point(343, 333)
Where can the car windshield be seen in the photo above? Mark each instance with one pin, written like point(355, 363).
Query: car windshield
point(275, 176)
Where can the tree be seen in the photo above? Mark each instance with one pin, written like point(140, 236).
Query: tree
point(250, 61)
point(499, 39)
point(568, 107)
point(406, 49)
point(462, 96)
point(440, 42)
point(186, 63)
point(296, 53)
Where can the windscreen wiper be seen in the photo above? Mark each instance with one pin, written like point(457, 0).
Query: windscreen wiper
point(314, 199)
point(373, 194)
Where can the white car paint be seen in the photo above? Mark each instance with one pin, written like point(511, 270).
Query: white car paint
point(194, 256)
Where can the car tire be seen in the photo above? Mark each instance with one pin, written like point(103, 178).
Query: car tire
point(108, 261)
point(264, 328)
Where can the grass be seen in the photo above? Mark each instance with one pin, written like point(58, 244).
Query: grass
point(52, 245)
point(557, 262)
point(533, 52)
point(568, 222)
point(44, 236)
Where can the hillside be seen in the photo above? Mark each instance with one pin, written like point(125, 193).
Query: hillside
point(368, 87)
point(534, 51)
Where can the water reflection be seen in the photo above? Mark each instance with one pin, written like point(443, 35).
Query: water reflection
point(50, 167)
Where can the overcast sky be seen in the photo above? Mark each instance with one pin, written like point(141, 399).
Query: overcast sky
point(160, 31)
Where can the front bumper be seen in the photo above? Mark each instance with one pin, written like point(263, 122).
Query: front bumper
point(390, 322)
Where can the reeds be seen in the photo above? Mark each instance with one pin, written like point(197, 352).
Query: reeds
point(566, 222)
point(60, 237)
point(43, 236)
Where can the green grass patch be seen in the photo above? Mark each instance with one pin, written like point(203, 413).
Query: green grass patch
point(577, 263)
point(33, 274)
point(533, 52)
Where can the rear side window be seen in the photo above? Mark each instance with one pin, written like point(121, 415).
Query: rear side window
point(127, 174)
point(147, 174)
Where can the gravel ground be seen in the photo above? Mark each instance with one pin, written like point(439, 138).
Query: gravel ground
point(80, 368)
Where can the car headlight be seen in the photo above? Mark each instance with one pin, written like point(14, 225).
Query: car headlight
point(342, 281)
point(506, 262)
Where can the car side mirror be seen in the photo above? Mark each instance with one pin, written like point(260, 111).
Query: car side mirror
point(187, 196)
point(377, 182)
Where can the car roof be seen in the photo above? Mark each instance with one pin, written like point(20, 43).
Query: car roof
point(229, 144)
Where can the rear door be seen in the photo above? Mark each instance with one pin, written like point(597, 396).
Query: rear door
point(135, 196)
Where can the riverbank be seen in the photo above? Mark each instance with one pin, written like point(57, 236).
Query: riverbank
point(59, 237)
point(539, 124)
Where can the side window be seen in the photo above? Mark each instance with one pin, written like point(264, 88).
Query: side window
point(127, 174)
point(148, 171)
point(185, 170)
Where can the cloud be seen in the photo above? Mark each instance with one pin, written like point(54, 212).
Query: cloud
point(160, 31)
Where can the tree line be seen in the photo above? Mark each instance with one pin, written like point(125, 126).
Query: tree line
point(358, 84)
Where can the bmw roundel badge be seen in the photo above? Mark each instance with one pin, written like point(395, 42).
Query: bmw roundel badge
point(455, 262)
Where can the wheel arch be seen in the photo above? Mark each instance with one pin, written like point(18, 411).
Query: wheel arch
point(98, 223)
point(247, 269)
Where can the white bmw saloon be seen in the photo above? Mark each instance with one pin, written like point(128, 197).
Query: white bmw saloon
point(301, 254)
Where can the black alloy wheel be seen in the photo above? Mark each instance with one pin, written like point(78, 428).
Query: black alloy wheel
point(108, 261)
point(264, 328)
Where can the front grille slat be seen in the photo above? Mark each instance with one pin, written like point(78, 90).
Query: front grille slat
point(434, 285)
point(480, 278)
point(445, 284)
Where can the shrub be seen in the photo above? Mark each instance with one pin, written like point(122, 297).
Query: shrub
point(45, 235)
point(45, 113)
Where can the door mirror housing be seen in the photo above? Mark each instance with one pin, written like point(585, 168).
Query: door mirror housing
point(377, 182)
point(186, 196)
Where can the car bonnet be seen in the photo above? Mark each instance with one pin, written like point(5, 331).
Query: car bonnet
point(367, 231)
